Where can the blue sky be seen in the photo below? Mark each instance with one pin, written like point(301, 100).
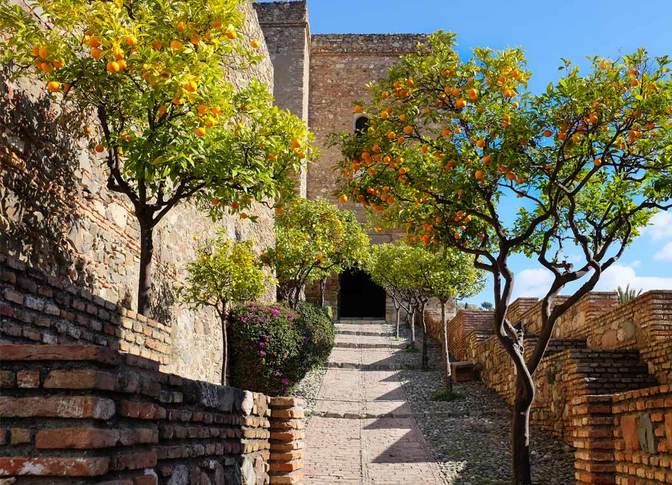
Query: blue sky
point(547, 31)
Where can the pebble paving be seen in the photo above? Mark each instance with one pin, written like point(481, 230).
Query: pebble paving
point(373, 421)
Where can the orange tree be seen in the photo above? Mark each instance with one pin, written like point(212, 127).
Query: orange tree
point(155, 75)
point(314, 239)
point(461, 155)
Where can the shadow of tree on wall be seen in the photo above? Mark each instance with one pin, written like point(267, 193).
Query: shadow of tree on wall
point(39, 182)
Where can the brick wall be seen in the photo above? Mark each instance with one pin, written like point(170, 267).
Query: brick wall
point(57, 215)
point(70, 414)
point(597, 386)
point(38, 308)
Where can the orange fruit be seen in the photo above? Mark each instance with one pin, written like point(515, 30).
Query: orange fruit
point(191, 86)
point(181, 26)
point(598, 162)
point(113, 67)
point(446, 132)
point(486, 159)
point(231, 33)
point(117, 53)
point(175, 44)
point(511, 176)
point(195, 39)
point(156, 45)
point(202, 109)
point(478, 175)
point(53, 86)
point(199, 132)
point(255, 44)
point(480, 143)
point(217, 24)
point(131, 40)
point(343, 198)
point(235, 205)
point(162, 111)
point(548, 133)
point(122, 64)
point(215, 201)
point(472, 94)
point(357, 108)
point(58, 63)
point(177, 101)
point(460, 104)
point(296, 143)
point(93, 41)
point(100, 148)
point(408, 129)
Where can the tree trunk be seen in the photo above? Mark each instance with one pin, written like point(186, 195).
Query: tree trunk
point(425, 352)
point(323, 286)
point(146, 251)
point(397, 311)
point(448, 375)
point(520, 429)
point(412, 323)
point(225, 348)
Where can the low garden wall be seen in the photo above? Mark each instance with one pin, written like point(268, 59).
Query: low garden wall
point(72, 413)
point(598, 387)
point(86, 397)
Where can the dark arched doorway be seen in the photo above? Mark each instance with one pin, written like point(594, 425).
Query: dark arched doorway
point(360, 297)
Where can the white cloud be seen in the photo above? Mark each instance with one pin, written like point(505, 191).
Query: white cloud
point(665, 253)
point(622, 275)
point(532, 282)
point(660, 226)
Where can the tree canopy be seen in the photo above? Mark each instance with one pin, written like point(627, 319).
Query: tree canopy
point(460, 154)
point(314, 239)
point(159, 78)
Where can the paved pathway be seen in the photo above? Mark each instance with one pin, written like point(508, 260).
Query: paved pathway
point(362, 431)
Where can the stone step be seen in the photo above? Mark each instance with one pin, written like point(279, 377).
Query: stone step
point(362, 333)
point(366, 345)
point(375, 367)
point(443, 414)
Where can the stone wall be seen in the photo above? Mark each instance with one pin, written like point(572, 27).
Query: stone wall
point(598, 384)
point(287, 33)
point(57, 215)
point(79, 414)
point(340, 68)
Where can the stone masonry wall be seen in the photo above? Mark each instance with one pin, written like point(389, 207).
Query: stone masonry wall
point(57, 215)
point(81, 414)
point(340, 68)
point(287, 33)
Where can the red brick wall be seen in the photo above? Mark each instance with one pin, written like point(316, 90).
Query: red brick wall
point(38, 308)
point(597, 385)
point(69, 414)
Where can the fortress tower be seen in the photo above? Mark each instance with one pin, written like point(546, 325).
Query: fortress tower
point(319, 77)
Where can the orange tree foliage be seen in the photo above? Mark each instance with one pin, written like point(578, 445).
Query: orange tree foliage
point(158, 75)
point(460, 154)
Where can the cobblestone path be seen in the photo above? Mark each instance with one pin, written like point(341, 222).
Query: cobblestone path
point(363, 430)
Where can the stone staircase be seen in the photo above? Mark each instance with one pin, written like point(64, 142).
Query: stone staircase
point(382, 351)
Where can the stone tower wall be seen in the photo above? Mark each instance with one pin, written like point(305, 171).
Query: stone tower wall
point(57, 215)
point(340, 68)
point(287, 33)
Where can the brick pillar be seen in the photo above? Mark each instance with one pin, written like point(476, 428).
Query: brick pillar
point(592, 433)
point(287, 434)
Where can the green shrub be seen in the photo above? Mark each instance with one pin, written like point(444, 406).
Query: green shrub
point(272, 348)
point(318, 333)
